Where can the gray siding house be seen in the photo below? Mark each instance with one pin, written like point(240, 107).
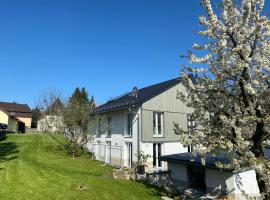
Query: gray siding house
point(141, 120)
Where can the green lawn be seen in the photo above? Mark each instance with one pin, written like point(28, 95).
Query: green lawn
point(35, 167)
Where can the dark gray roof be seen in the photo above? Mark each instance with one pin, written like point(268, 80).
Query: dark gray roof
point(267, 153)
point(144, 94)
point(189, 158)
point(195, 160)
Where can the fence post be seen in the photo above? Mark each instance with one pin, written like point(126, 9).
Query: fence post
point(121, 157)
point(105, 147)
point(110, 154)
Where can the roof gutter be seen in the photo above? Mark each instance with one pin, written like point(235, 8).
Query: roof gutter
point(189, 163)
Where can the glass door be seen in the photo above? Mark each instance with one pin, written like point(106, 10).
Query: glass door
point(129, 154)
point(157, 152)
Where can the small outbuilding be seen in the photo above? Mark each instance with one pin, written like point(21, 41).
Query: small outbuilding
point(188, 171)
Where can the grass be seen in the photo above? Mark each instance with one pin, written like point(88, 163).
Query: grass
point(34, 166)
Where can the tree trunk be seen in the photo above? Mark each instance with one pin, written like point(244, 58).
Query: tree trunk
point(258, 150)
point(262, 186)
point(258, 139)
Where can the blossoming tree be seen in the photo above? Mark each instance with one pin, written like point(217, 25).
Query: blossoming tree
point(231, 96)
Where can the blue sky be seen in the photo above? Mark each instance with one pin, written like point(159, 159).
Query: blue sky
point(107, 46)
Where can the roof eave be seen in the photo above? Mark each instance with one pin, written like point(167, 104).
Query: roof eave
point(190, 163)
point(116, 109)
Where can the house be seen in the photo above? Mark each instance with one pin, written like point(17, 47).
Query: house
point(18, 117)
point(49, 123)
point(51, 120)
point(188, 171)
point(141, 120)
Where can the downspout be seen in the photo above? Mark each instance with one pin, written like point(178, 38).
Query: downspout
point(139, 119)
point(139, 131)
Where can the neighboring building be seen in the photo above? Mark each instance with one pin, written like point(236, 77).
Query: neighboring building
point(16, 116)
point(142, 120)
point(51, 120)
point(188, 171)
point(50, 123)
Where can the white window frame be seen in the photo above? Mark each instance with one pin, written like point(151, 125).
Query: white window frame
point(155, 124)
point(128, 129)
point(190, 122)
point(190, 125)
point(157, 162)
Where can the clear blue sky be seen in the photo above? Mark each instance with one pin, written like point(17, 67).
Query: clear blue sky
point(107, 46)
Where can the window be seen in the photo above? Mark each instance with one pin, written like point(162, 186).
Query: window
point(191, 122)
point(191, 126)
point(109, 128)
point(157, 152)
point(129, 126)
point(158, 124)
point(190, 148)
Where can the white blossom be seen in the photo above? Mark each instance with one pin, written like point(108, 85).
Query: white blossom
point(233, 87)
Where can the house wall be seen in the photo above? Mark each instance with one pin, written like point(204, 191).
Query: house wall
point(50, 123)
point(99, 145)
point(3, 117)
point(174, 111)
point(26, 121)
point(41, 125)
point(235, 184)
point(244, 183)
point(215, 182)
point(12, 124)
point(167, 149)
point(179, 174)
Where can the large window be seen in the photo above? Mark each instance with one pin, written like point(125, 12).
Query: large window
point(109, 128)
point(157, 152)
point(158, 124)
point(129, 125)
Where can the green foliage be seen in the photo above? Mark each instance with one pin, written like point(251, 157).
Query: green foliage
point(80, 96)
point(143, 158)
point(76, 116)
point(36, 114)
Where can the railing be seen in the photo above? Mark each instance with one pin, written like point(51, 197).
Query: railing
point(109, 154)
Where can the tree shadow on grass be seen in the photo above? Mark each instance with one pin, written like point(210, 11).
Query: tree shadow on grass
point(56, 149)
point(155, 190)
point(8, 151)
point(3, 136)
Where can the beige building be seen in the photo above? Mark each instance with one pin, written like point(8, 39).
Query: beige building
point(16, 116)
